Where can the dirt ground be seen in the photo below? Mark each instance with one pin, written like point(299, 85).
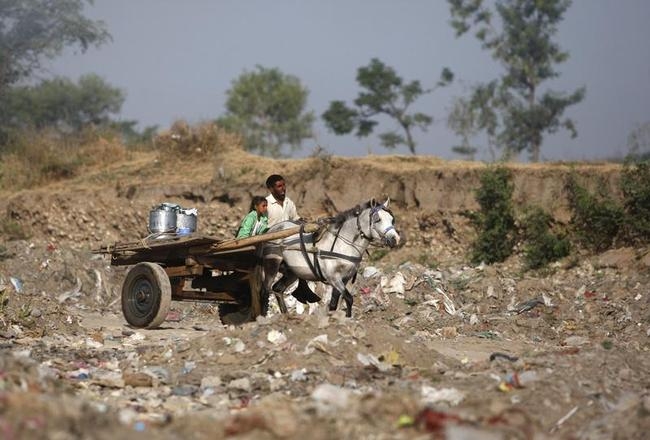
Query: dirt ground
point(436, 348)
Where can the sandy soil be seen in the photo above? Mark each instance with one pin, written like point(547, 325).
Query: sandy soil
point(436, 348)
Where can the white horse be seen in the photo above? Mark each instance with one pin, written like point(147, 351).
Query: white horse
point(331, 256)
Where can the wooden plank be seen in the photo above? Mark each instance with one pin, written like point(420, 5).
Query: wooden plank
point(194, 295)
point(167, 251)
point(238, 243)
point(179, 271)
point(255, 284)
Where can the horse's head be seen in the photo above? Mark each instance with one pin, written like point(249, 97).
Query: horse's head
point(382, 224)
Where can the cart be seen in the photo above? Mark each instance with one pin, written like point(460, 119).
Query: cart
point(193, 268)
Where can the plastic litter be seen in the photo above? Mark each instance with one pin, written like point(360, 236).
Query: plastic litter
point(330, 397)
point(17, 283)
point(370, 271)
point(450, 396)
point(276, 337)
point(528, 305)
point(518, 380)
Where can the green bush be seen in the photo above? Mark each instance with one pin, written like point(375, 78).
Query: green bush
point(11, 230)
point(495, 221)
point(635, 185)
point(596, 219)
point(542, 245)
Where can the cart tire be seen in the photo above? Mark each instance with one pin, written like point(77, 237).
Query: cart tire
point(146, 295)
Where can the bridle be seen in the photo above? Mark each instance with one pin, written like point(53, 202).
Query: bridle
point(374, 210)
point(315, 266)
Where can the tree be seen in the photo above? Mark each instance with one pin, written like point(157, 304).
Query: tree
point(60, 103)
point(31, 30)
point(523, 45)
point(384, 92)
point(638, 142)
point(267, 108)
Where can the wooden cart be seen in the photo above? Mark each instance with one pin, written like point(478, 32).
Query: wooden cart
point(193, 268)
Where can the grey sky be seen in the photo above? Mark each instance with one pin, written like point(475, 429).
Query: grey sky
point(176, 60)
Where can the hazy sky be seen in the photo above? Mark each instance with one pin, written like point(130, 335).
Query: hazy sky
point(176, 60)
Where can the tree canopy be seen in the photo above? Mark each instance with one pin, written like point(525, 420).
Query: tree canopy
point(383, 92)
point(519, 35)
point(31, 30)
point(267, 107)
point(62, 104)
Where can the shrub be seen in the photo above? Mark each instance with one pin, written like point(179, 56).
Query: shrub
point(596, 219)
point(39, 157)
point(495, 221)
point(542, 245)
point(11, 230)
point(184, 141)
point(635, 185)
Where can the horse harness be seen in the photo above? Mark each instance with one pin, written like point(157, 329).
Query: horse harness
point(315, 266)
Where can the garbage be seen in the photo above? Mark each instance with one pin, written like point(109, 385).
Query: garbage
point(395, 285)
point(566, 417)
point(405, 421)
point(17, 283)
point(527, 305)
point(329, 398)
point(434, 421)
point(505, 356)
point(488, 334)
point(518, 380)
point(448, 303)
point(276, 337)
point(450, 396)
point(370, 271)
point(368, 360)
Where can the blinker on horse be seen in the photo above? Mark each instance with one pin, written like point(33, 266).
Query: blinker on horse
point(331, 256)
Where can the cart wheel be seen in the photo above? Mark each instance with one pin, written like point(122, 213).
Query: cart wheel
point(146, 295)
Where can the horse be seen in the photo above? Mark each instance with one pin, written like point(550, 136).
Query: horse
point(332, 255)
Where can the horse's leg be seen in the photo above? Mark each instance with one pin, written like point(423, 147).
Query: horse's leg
point(272, 263)
point(334, 301)
point(338, 288)
point(347, 297)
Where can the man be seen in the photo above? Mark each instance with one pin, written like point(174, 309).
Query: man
point(280, 207)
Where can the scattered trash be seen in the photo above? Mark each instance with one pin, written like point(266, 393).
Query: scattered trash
point(395, 285)
point(405, 421)
point(450, 396)
point(17, 283)
point(299, 375)
point(370, 271)
point(173, 316)
point(564, 419)
point(368, 360)
point(507, 357)
point(276, 337)
point(488, 334)
point(329, 398)
point(75, 292)
point(528, 305)
point(434, 421)
point(518, 380)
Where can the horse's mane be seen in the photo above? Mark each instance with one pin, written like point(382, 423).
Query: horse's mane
point(341, 217)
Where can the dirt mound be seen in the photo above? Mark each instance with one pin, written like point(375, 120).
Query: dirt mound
point(435, 347)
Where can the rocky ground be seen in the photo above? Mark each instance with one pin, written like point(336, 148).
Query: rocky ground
point(436, 348)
